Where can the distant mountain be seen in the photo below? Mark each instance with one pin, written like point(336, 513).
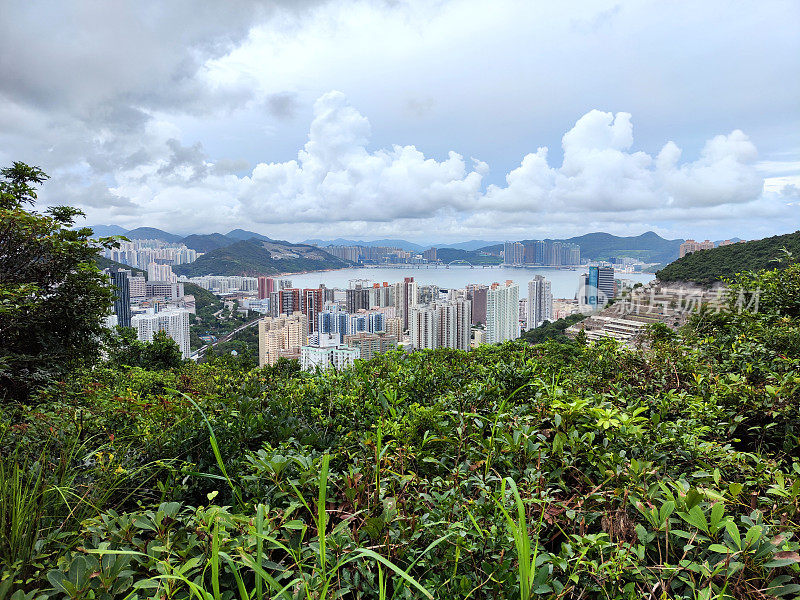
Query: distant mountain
point(708, 266)
point(107, 263)
point(470, 245)
point(254, 257)
point(447, 255)
point(106, 230)
point(151, 233)
point(648, 247)
point(242, 234)
point(402, 244)
point(208, 242)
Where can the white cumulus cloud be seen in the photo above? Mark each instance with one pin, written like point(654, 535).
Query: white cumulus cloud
point(600, 173)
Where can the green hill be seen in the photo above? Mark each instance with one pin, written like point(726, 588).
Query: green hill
point(708, 266)
point(254, 257)
point(208, 242)
point(202, 297)
point(648, 247)
point(447, 255)
point(151, 233)
point(107, 263)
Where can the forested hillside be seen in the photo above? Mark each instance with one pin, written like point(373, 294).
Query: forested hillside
point(709, 266)
point(251, 257)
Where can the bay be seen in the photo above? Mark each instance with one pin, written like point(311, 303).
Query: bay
point(564, 283)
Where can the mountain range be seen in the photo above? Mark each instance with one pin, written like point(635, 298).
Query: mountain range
point(402, 244)
point(648, 247)
point(256, 256)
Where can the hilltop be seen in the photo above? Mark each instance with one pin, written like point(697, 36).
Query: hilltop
point(258, 257)
point(648, 247)
point(709, 266)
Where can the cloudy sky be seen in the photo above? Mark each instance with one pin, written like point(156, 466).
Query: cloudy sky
point(432, 120)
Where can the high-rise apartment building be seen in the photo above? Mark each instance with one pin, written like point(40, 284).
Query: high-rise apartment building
point(690, 246)
point(540, 302)
point(358, 299)
point(266, 285)
point(313, 301)
point(325, 357)
point(597, 287)
point(410, 298)
point(502, 312)
point(175, 322)
point(333, 321)
point(441, 325)
point(122, 297)
point(287, 301)
point(394, 327)
point(138, 286)
point(370, 344)
point(477, 294)
point(428, 293)
point(158, 272)
point(282, 333)
point(513, 253)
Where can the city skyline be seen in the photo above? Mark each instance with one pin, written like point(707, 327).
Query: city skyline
point(326, 119)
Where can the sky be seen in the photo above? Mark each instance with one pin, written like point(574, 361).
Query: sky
point(434, 120)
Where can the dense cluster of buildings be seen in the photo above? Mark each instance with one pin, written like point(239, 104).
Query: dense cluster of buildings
point(151, 306)
point(549, 253)
point(152, 256)
point(324, 327)
point(381, 255)
point(690, 246)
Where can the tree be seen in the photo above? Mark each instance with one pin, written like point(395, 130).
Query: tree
point(52, 294)
point(125, 350)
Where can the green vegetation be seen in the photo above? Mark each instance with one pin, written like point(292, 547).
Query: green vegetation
point(557, 470)
point(244, 343)
point(151, 233)
point(551, 330)
point(513, 471)
point(648, 247)
point(107, 263)
point(709, 266)
point(52, 294)
point(203, 299)
point(447, 255)
point(207, 243)
point(250, 257)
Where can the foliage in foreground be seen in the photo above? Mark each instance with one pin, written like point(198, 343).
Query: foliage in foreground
point(551, 330)
point(52, 294)
point(513, 471)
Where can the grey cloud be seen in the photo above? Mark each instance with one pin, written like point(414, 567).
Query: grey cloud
point(227, 166)
point(74, 191)
point(790, 190)
point(192, 158)
point(282, 105)
point(420, 107)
